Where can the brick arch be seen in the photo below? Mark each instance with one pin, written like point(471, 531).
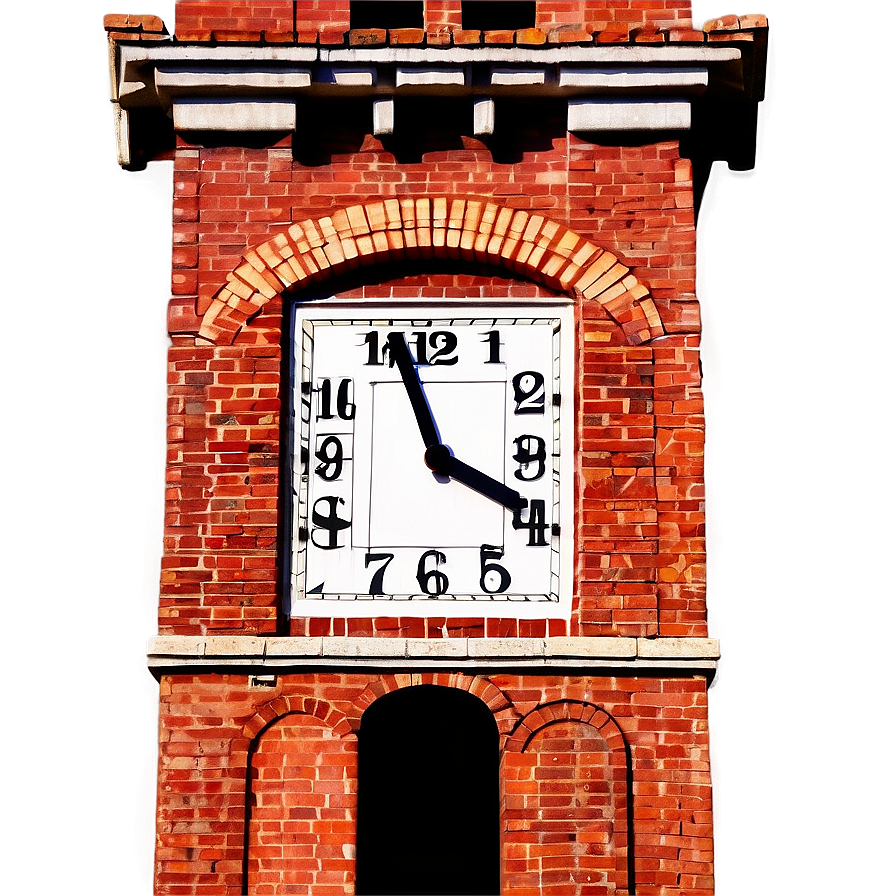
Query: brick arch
point(562, 711)
point(526, 244)
point(281, 707)
point(506, 716)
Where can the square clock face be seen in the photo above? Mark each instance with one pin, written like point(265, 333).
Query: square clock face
point(432, 471)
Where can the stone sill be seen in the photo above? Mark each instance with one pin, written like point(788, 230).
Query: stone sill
point(683, 655)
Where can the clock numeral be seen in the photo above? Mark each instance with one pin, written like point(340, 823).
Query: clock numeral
point(328, 522)
point(345, 409)
point(331, 456)
point(531, 456)
point(444, 343)
point(376, 582)
point(493, 338)
point(528, 392)
point(489, 569)
point(536, 523)
point(376, 356)
point(432, 581)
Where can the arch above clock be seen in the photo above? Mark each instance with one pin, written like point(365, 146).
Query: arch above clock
point(413, 228)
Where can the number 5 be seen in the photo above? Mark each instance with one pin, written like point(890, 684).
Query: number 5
point(487, 553)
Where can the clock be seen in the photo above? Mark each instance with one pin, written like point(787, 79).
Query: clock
point(432, 463)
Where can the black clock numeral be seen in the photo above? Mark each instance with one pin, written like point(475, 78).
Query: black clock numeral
point(536, 523)
point(432, 581)
point(487, 554)
point(327, 522)
point(442, 342)
point(331, 456)
point(345, 408)
point(528, 392)
point(493, 338)
point(531, 456)
point(376, 356)
point(376, 582)
point(420, 346)
point(445, 344)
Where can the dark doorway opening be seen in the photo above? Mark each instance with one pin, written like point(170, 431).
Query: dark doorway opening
point(428, 799)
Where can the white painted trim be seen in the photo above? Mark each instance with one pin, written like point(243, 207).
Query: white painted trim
point(684, 655)
point(691, 79)
point(483, 116)
point(228, 115)
point(596, 53)
point(644, 54)
point(585, 116)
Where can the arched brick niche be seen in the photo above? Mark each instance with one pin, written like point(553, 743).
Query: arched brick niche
point(527, 245)
point(301, 814)
point(565, 774)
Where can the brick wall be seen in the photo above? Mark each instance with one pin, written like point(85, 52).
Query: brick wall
point(577, 795)
point(640, 548)
point(197, 18)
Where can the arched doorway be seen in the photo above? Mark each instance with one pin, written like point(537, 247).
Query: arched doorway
point(428, 797)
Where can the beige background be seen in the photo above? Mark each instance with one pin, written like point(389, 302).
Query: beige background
point(797, 289)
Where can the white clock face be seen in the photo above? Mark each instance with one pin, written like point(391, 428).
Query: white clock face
point(430, 477)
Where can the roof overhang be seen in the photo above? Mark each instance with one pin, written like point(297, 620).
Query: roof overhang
point(233, 89)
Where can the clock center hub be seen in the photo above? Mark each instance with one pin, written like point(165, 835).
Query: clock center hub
point(436, 458)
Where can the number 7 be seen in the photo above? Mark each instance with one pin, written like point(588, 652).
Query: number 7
point(376, 583)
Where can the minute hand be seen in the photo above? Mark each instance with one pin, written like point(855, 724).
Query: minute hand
point(398, 349)
point(485, 485)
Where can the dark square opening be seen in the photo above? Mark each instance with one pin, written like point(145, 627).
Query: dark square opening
point(386, 15)
point(497, 16)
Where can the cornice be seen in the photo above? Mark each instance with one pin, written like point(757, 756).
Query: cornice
point(244, 89)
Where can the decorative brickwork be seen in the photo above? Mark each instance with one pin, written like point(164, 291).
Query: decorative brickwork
point(530, 246)
point(569, 779)
point(577, 793)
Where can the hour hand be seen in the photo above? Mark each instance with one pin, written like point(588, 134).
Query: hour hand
point(440, 460)
point(399, 351)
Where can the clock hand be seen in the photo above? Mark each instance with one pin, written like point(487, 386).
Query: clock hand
point(438, 457)
point(398, 349)
point(440, 460)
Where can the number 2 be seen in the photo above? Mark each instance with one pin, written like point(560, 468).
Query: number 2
point(528, 392)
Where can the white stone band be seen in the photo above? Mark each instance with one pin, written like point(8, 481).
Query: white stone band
point(689, 655)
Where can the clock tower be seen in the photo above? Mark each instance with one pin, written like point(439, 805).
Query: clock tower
point(432, 614)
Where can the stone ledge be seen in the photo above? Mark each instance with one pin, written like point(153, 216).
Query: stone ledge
point(686, 655)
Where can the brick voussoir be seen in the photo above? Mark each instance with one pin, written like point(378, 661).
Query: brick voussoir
point(532, 246)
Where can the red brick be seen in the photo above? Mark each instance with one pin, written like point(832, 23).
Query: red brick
point(367, 37)
point(404, 36)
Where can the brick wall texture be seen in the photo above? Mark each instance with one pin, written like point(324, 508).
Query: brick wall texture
point(640, 561)
point(196, 18)
point(604, 781)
